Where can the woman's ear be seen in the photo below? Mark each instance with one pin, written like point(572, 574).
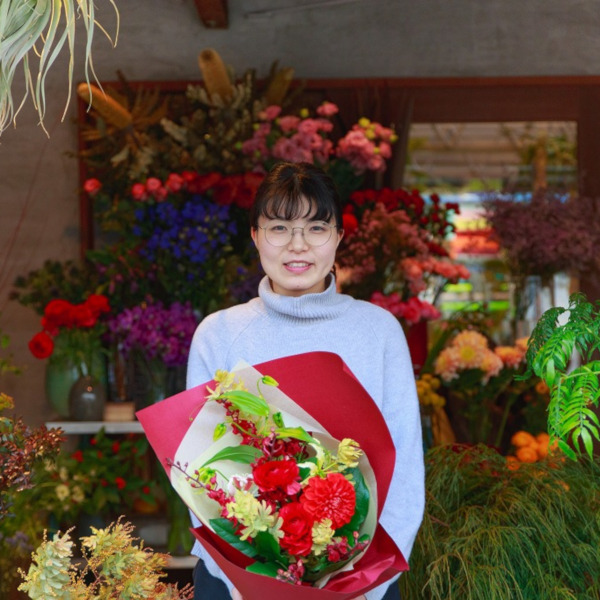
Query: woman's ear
point(340, 236)
point(253, 234)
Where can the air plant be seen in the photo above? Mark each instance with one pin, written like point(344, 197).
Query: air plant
point(37, 30)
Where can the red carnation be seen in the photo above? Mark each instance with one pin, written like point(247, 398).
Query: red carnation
point(332, 497)
point(297, 529)
point(275, 475)
point(41, 345)
point(82, 316)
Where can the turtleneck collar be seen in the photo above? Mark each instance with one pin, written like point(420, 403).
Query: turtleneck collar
point(322, 305)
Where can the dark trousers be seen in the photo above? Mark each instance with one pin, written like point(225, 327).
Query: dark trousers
point(207, 587)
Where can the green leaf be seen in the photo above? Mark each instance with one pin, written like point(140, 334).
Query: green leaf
point(297, 433)
point(247, 402)
point(268, 569)
point(225, 529)
point(241, 454)
point(362, 504)
point(268, 548)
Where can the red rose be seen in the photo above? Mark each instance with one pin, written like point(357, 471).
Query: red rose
point(297, 529)
point(121, 483)
point(41, 345)
point(82, 316)
point(277, 475)
point(138, 191)
point(78, 456)
point(92, 186)
point(332, 497)
point(115, 447)
point(98, 304)
point(174, 182)
point(57, 314)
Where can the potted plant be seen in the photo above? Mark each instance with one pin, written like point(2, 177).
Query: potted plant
point(574, 384)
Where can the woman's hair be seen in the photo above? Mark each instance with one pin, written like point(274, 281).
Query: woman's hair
point(279, 195)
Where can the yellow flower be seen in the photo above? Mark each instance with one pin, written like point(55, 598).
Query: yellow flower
point(348, 452)
point(255, 515)
point(62, 492)
point(77, 495)
point(322, 533)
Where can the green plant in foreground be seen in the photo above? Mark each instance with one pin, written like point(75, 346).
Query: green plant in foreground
point(115, 566)
point(491, 532)
point(574, 394)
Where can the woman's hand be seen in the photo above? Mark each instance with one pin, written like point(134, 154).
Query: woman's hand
point(235, 595)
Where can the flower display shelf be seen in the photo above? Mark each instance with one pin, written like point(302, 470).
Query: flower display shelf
point(117, 427)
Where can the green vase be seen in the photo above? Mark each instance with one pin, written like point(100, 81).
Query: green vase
point(60, 377)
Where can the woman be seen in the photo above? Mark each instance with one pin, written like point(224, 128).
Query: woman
point(296, 225)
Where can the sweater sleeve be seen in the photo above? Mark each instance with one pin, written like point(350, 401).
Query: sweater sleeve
point(405, 504)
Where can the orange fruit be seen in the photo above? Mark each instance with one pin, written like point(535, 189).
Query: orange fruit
point(527, 454)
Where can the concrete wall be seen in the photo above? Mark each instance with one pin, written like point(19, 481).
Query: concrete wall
point(160, 40)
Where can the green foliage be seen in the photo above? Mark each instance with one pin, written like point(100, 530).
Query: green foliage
point(574, 394)
point(494, 533)
point(68, 280)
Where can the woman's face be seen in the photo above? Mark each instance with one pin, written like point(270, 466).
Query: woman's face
point(296, 268)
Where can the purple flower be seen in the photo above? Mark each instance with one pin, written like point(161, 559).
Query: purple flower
point(158, 332)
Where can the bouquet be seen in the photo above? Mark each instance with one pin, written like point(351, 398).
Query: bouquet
point(283, 487)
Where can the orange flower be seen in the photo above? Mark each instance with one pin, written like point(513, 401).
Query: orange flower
point(527, 454)
point(521, 439)
point(512, 463)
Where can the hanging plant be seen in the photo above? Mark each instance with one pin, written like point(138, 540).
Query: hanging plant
point(37, 30)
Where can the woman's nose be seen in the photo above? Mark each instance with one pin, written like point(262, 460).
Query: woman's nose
point(298, 242)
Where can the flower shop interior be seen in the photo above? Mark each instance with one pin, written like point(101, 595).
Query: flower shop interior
point(464, 134)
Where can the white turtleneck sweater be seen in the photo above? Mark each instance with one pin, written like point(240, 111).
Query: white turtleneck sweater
point(370, 341)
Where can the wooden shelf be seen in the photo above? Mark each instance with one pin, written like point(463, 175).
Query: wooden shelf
point(182, 562)
point(83, 427)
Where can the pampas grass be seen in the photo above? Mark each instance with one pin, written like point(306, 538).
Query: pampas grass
point(491, 533)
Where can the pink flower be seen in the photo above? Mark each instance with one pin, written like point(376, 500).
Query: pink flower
point(270, 113)
point(288, 123)
point(327, 109)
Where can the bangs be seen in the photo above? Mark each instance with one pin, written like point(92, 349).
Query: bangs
point(296, 206)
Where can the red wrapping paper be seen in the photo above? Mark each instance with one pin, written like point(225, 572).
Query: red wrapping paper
point(322, 385)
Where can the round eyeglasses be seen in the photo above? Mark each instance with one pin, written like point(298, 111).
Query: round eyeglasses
point(315, 233)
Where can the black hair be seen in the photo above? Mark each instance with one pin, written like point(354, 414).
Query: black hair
point(279, 195)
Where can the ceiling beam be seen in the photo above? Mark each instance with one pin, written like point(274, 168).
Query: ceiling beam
point(213, 13)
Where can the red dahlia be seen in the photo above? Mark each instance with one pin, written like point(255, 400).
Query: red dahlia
point(332, 497)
